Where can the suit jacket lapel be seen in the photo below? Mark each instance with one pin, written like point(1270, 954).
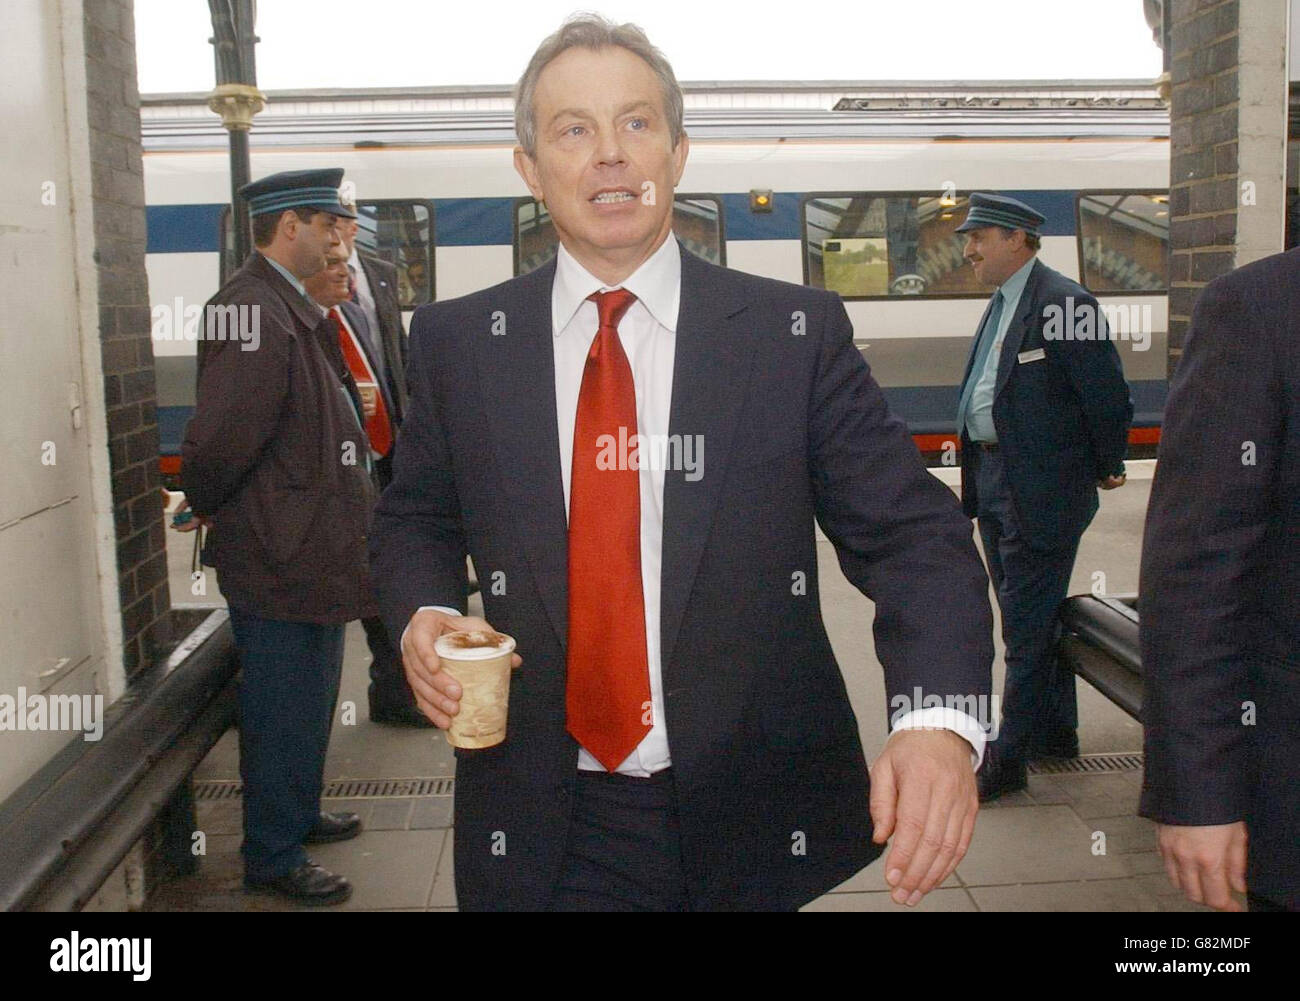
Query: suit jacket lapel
point(1017, 330)
point(384, 293)
point(516, 372)
point(710, 377)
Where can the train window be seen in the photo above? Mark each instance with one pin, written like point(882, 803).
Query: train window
point(697, 222)
point(1124, 240)
point(869, 246)
point(401, 232)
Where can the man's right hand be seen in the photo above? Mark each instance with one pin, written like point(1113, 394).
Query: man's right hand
point(437, 693)
point(1206, 862)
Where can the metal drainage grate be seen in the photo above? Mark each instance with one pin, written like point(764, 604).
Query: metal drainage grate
point(213, 790)
point(1088, 764)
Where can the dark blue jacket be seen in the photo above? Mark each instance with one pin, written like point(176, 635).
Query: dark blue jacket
point(764, 742)
point(1220, 588)
point(1061, 409)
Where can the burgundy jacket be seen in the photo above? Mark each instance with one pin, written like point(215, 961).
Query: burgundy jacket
point(275, 455)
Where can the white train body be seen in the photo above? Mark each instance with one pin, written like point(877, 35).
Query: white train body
point(855, 172)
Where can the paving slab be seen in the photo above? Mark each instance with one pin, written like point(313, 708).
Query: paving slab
point(1090, 895)
point(444, 884)
point(1033, 844)
point(388, 869)
point(937, 900)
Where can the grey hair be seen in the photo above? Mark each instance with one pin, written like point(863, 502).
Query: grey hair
point(592, 31)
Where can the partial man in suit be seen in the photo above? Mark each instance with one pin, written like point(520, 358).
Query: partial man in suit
point(1220, 599)
point(679, 733)
point(274, 459)
point(1043, 415)
point(373, 318)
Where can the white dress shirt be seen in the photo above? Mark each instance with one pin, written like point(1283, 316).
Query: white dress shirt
point(979, 418)
point(648, 333)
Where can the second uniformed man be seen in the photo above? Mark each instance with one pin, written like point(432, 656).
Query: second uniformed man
point(1043, 421)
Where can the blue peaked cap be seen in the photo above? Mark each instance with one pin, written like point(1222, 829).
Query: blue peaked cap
point(998, 210)
point(309, 189)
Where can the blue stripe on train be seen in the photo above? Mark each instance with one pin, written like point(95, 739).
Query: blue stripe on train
point(927, 410)
point(479, 222)
point(183, 229)
point(474, 222)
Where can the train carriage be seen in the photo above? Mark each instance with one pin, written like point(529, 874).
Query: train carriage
point(855, 188)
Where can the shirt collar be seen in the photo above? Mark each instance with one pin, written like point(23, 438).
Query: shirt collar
point(288, 275)
point(1015, 285)
point(657, 284)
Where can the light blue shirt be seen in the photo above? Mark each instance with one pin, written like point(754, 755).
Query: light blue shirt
point(302, 291)
point(979, 419)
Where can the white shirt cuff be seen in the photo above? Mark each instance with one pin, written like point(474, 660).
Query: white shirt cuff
point(435, 608)
point(947, 718)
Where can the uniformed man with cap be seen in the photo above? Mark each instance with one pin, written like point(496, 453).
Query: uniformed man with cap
point(275, 460)
point(1043, 420)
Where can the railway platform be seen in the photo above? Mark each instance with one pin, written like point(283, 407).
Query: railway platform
point(1071, 842)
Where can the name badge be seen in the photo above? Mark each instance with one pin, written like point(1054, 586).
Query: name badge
point(1038, 354)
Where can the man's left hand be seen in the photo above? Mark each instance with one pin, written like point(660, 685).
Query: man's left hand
point(1111, 482)
point(923, 789)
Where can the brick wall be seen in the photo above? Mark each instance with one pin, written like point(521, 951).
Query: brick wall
point(124, 323)
point(1203, 182)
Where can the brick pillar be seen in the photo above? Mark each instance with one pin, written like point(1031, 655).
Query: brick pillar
point(1227, 144)
point(117, 182)
point(1202, 155)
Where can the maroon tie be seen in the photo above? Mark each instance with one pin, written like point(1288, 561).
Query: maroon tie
point(608, 691)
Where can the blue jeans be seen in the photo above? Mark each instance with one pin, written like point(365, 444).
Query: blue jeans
point(1039, 700)
point(287, 692)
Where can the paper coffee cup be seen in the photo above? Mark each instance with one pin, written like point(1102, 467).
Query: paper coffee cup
point(480, 661)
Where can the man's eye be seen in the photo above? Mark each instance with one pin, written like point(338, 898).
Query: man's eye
point(638, 123)
point(574, 130)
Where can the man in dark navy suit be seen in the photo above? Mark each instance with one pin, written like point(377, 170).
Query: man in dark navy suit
point(679, 733)
point(1043, 415)
point(372, 315)
point(1221, 599)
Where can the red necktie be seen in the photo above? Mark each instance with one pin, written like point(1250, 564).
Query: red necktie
point(608, 689)
point(379, 430)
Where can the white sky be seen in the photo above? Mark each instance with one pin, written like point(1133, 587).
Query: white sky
point(394, 43)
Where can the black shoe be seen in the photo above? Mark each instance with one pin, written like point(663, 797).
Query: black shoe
point(1000, 776)
point(398, 715)
point(1063, 744)
point(333, 827)
point(308, 884)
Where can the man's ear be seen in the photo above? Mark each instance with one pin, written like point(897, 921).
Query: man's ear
point(679, 158)
point(288, 224)
point(527, 169)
